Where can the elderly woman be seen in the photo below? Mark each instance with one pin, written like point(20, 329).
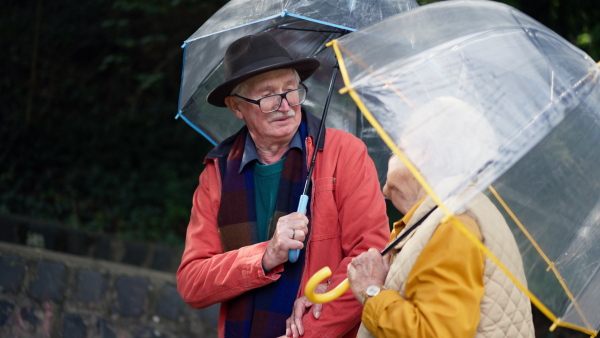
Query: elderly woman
point(436, 282)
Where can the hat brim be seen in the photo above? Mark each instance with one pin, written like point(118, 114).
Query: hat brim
point(305, 68)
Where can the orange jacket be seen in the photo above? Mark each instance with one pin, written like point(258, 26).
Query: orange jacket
point(348, 217)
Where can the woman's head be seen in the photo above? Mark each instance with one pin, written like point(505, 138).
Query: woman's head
point(446, 138)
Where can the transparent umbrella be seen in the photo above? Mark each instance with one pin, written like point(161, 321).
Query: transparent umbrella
point(302, 27)
point(530, 98)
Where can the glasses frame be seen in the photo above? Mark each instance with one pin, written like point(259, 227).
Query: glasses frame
point(283, 96)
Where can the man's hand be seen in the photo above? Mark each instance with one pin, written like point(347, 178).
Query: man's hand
point(293, 325)
point(290, 234)
point(368, 268)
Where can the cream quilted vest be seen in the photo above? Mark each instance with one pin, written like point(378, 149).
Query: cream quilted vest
point(505, 310)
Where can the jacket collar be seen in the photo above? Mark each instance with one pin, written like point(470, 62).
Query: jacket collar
point(312, 128)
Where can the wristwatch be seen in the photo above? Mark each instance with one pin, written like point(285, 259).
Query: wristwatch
point(371, 291)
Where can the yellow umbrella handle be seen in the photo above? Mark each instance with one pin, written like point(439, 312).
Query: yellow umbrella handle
point(316, 279)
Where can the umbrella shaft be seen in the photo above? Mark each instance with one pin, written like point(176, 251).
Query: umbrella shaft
point(321, 126)
point(407, 232)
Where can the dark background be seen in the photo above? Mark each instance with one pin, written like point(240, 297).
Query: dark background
point(89, 93)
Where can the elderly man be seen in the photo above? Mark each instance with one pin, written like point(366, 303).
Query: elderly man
point(243, 221)
point(438, 283)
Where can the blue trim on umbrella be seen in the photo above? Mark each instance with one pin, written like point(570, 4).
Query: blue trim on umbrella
point(320, 22)
point(180, 114)
point(181, 84)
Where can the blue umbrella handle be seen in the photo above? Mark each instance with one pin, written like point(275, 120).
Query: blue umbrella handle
point(294, 253)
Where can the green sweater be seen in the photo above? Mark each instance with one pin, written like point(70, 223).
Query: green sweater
point(266, 187)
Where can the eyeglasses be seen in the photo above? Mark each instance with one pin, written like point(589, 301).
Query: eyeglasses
point(271, 103)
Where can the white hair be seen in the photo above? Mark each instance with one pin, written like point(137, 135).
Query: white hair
point(447, 137)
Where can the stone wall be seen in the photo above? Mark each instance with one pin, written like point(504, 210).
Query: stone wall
point(60, 282)
point(48, 293)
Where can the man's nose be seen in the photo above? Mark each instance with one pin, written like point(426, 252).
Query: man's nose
point(285, 105)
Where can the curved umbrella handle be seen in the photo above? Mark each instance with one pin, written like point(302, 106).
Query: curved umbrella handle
point(316, 279)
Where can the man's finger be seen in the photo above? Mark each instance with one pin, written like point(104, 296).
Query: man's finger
point(299, 326)
point(299, 308)
point(317, 310)
point(288, 327)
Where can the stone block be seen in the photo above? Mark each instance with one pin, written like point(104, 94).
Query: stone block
point(6, 310)
point(102, 248)
point(146, 332)
point(50, 281)
point(165, 259)
point(105, 329)
point(73, 326)
point(12, 270)
point(10, 230)
point(131, 295)
point(91, 286)
point(54, 238)
point(135, 253)
point(210, 314)
point(77, 243)
point(170, 303)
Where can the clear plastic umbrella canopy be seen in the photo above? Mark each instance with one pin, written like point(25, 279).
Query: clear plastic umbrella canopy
point(303, 27)
point(478, 98)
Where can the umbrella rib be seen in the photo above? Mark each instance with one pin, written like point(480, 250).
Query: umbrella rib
point(278, 15)
point(551, 265)
point(381, 78)
point(310, 30)
point(320, 22)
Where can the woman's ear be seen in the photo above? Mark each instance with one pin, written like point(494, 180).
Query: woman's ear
point(234, 106)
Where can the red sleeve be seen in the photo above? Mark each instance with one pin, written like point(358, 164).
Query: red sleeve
point(206, 275)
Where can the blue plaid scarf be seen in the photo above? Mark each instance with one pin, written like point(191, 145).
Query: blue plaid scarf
point(260, 312)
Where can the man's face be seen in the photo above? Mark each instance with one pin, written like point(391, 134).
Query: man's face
point(270, 128)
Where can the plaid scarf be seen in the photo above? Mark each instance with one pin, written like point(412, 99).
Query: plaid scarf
point(260, 312)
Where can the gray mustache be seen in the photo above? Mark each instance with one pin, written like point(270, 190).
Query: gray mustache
point(277, 115)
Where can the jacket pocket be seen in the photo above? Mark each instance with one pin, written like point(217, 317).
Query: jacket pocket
point(324, 210)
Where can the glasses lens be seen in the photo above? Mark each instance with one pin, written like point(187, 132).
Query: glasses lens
point(296, 97)
point(270, 103)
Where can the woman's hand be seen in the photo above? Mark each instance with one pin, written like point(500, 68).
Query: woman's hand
point(368, 268)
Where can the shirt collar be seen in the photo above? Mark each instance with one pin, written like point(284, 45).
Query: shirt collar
point(401, 224)
point(250, 153)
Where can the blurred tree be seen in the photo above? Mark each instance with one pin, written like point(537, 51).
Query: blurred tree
point(88, 135)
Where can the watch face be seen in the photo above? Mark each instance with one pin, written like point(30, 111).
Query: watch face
point(372, 290)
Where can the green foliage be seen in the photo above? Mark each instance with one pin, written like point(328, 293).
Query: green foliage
point(88, 132)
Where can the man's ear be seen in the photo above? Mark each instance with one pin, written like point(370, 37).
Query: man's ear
point(234, 106)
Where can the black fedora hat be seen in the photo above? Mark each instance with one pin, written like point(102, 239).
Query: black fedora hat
point(253, 55)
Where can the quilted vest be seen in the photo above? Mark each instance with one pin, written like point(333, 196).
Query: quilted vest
point(505, 310)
